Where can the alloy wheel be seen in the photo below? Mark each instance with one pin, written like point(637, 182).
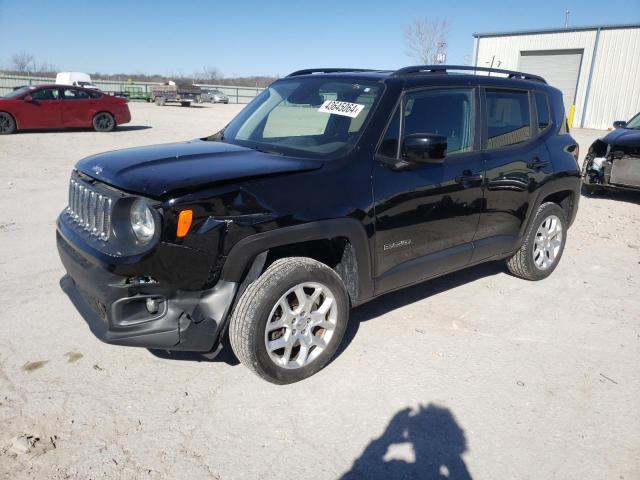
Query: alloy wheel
point(548, 242)
point(301, 325)
point(104, 121)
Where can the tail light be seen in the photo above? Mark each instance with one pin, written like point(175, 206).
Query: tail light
point(575, 151)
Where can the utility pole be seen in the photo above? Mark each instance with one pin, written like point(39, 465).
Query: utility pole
point(441, 55)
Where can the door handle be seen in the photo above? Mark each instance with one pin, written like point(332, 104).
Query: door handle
point(468, 177)
point(536, 163)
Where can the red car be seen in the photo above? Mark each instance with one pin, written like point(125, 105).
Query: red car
point(61, 106)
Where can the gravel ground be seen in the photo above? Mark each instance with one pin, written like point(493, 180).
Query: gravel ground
point(476, 374)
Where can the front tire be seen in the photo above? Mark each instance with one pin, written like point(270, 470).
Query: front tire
point(104, 122)
point(7, 124)
point(289, 323)
point(542, 248)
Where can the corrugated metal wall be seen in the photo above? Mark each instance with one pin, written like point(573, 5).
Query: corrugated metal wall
point(615, 86)
point(507, 52)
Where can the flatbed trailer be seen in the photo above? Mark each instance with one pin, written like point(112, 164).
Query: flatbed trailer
point(171, 92)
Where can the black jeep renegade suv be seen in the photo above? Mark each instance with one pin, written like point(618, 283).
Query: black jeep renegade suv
point(331, 188)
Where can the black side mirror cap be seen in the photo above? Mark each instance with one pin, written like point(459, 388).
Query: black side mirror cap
point(424, 148)
point(619, 124)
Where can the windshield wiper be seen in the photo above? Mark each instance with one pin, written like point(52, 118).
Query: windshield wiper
point(264, 150)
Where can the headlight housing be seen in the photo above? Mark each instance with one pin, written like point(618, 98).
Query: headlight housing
point(143, 223)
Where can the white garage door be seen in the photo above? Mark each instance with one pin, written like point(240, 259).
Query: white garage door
point(560, 68)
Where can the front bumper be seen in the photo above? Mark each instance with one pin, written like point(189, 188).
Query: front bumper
point(115, 307)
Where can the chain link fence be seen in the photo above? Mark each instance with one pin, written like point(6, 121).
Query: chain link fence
point(132, 90)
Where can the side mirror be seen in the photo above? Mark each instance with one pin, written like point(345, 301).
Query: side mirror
point(28, 98)
point(619, 124)
point(424, 148)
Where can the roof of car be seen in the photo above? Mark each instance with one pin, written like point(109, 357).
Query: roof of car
point(57, 85)
point(463, 72)
point(418, 75)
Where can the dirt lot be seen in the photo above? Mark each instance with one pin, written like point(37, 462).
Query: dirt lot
point(477, 374)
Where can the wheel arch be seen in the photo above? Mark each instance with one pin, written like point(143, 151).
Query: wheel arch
point(98, 112)
point(342, 244)
point(563, 191)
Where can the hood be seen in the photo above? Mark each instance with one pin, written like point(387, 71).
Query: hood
point(158, 170)
point(624, 137)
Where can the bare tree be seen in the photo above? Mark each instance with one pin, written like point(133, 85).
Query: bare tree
point(45, 67)
point(209, 74)
point(424, 39)
point(23, 62)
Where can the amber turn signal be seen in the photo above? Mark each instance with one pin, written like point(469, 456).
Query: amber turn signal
point(184, 223)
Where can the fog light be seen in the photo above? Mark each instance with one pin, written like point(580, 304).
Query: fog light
point(153, 305)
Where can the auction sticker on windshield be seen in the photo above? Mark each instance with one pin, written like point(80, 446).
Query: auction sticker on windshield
point(345, 109)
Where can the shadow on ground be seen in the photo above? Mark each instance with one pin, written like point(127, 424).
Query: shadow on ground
point(371, 310)
point(422, 444)
point(225, 356)
point(628, 196)
point(415, 293)
point(120, 128)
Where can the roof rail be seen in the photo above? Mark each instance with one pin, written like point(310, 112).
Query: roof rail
point(309, 71)
point(445, 68)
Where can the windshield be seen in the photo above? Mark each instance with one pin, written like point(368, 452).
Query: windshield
point(315, 117)
point(634, 122)
point(18, 92)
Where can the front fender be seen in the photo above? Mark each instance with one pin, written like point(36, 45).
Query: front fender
point(245, 251)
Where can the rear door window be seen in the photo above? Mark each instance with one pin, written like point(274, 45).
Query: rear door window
point(508, 118)
point(73, 94)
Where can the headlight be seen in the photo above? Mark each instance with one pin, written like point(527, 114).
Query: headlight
point(142, 222)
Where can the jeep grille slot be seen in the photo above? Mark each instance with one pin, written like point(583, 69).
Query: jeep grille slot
point(90, 210)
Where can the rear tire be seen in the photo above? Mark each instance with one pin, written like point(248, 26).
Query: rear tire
point(104, 122)
point(7, 124)
point(185, 104)
point(289, 323)
point(543, 244)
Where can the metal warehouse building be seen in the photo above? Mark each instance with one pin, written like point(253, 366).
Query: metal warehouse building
point(597, 68)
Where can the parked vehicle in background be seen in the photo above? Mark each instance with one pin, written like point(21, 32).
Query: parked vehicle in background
point(172, 92)
point(332, 187)
point(613, 161)
point(77, 79)
point(213, 96)
point(57, 106)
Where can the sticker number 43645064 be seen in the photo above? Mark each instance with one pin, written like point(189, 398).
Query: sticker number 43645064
point(345, 109)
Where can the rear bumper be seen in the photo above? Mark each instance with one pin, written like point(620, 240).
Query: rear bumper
point(123, 117)
point(115, 307)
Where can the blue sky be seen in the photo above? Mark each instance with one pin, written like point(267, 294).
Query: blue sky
point(263, 37)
